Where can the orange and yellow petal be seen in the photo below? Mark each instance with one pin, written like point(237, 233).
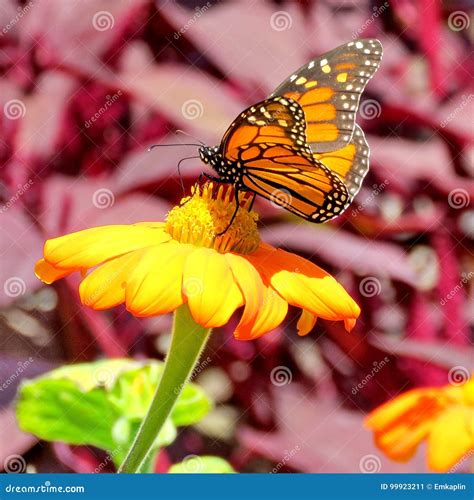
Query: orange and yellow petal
point(210, 288)
point(251, 286)
point(451, 438)
point(402, 423)
point(306, 323)
point(105, 286)
point(48, 274)
point(88, 248)
point(154, 284)
point(305, 285)
point(270, 315)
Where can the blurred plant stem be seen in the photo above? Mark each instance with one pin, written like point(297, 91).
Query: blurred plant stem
point(187, 342)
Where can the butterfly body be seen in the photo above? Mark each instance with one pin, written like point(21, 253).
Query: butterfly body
point(229, 171)
point(301, 147)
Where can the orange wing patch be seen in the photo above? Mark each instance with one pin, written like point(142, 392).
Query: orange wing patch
point(275, 121)
point(351, 163)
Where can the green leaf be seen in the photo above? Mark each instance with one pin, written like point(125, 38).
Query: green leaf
point(57, 410)
point(192, 406)
point(194, 464)
point(102, 404)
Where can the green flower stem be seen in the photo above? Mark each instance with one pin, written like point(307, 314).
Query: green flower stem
point(187, 342)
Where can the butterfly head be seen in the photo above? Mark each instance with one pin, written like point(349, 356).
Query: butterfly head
point(208, 155)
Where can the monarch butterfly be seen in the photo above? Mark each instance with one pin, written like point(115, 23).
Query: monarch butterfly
point(301, 148)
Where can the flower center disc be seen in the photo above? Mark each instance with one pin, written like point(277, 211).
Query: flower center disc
point(207, 212)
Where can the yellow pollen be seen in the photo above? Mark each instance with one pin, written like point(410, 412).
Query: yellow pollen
point(207, 212)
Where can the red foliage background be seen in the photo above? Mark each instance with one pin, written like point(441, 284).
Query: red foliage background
point(87, 86)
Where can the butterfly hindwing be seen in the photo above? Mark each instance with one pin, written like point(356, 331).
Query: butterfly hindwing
point(328, 89)
point(350, 163)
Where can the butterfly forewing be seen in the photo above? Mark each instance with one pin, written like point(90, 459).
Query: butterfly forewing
point(268, 142)
point(274, 121)
point(328, 89)
point(297, 182)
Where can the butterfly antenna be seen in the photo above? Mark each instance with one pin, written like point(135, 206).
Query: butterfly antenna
point(179, 131)
point(179, 171)
point(153, 146)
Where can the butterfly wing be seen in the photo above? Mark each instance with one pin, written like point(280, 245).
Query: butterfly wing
point(328, 89)
point(273, 121)
point(294, 180)
point(350, 163)
point(267, 141)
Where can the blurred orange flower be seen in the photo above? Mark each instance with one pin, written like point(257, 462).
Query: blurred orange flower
point(155, 267)
point(444, 416)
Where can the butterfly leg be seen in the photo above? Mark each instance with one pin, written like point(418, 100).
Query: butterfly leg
point(210, 177)
point(234, 215)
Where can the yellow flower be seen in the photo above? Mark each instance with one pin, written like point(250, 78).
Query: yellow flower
point(155, 267)
point(444, 416)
